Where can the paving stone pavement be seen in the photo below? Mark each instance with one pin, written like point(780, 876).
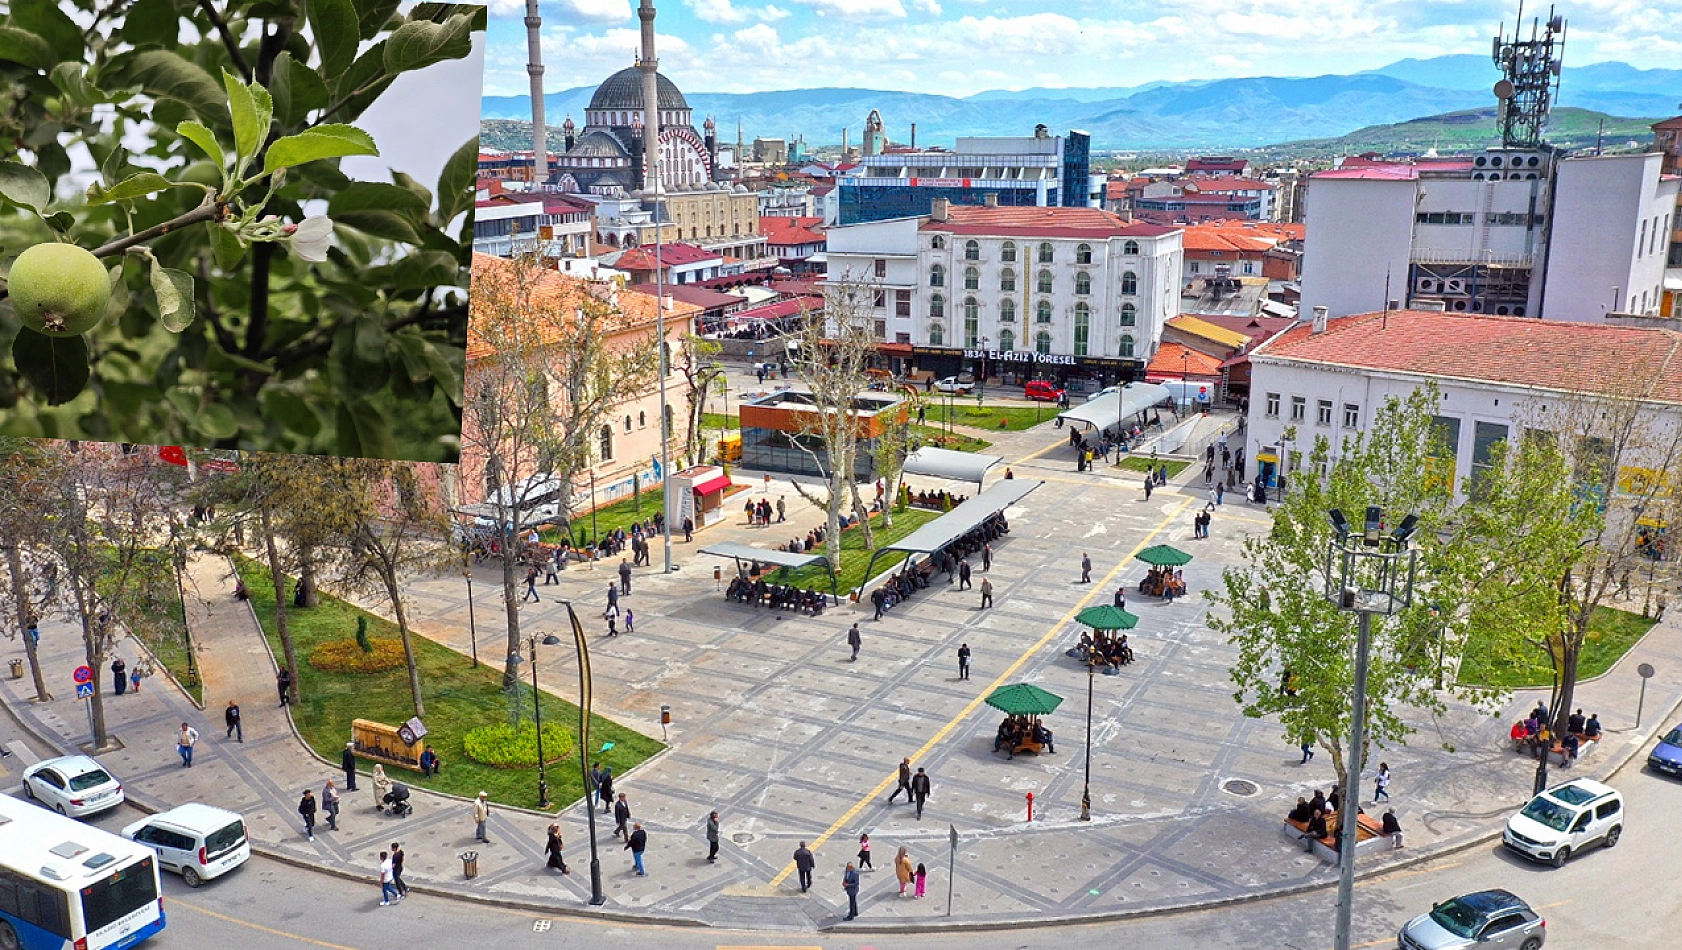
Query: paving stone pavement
point(789, 740)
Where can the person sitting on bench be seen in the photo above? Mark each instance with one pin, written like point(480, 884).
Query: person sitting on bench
point(1575, 722)
point(1006, 737)
point(1569, 745)
point(1316, 829)
point(1591, 729)
point(1301, 812)
point(1043, 734)
point(1391, 827)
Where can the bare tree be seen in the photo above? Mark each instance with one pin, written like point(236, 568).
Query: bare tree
point(548, 358)
point(701, 370)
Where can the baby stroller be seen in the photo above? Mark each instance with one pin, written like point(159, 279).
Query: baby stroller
point(398, 800)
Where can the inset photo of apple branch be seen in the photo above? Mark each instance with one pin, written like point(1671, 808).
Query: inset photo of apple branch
point(238, 224)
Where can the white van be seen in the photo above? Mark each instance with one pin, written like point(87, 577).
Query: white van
point(198, 842)
point(1566, 819)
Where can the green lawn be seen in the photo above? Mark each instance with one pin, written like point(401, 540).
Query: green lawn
point(965, 413)
point(158, 623)
point(458, 699)
point(1611, 634)
point(854, 558)
point(620, 514)
point(1144, 463)
point(715, 421)
point(958, 441)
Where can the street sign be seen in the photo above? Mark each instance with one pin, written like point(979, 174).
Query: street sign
point(83, 674)
point(84, 690)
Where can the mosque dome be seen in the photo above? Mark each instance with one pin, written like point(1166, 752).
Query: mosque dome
point(623, 90)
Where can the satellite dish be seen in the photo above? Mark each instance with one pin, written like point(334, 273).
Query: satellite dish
point(1504, 89)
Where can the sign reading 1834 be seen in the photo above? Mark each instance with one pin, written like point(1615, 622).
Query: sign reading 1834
point(1020, 356)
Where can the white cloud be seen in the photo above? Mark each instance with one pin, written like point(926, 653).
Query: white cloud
point(857, 9)
point(596, 11)
point(758, 40)
point(931, 7)
point(724, 11)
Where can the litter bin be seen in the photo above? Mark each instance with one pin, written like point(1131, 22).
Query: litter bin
point(17, 669)
point(470, 864)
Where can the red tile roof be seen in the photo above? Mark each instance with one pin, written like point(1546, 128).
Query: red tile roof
point(1372, 173)
point(642, 258)
point(1170, 362)
point(786, 231)
point(691, 294)
point(782, 308)
point(1517, 351)
point(1675, 123)
point(1221, 163)
point(1094, 223)
point(562, 292)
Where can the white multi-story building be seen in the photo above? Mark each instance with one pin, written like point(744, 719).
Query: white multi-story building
point(511, 224)
point(1507, 232)
point(881, 258)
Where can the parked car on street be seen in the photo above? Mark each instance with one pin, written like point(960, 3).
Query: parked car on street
point(72, 785)
point(955, 384)
point(1495, 919)
point(1666, 757)
point(1043, 389)
point(1565, 819)
point(196, 841)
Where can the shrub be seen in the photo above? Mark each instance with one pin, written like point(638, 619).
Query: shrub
point(362, 633)
point(508, 747)
point(349, 656)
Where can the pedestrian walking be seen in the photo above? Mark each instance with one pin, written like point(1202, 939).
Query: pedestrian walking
point(119, 676)
point(624, 576)
point(1085, 569)
point(1120, 598)
point(184, 743)
point(347, 761)
point(963, 656)
point(637, 843)
point(864, 853)
point(137, 674)
point(382, 787)
point(803, 864)
point(552, 849)
point(330, 804)
point(1381, 789)
point(612, 625)
point(612, 600)
point(904, 782)
point(604, 788)
point(986, 593)
point(963, 574)
point(1220, 493)
point(230, 718)
point(481, 814)
point(531, 586)
point(283, 681)
point(621, 816)
point(856, 639)
point(306, 808)
point(1307, 751)
point(922, 880)
point(782, 510)
point(388, 890)
point(850, 884)
point(630, 621)
point(1148, 481)
point(712, 837)
point(920, 788)
point(986, 558)
point(397, 870)
point(551, 573)
point(688, 529)
point(903, 869)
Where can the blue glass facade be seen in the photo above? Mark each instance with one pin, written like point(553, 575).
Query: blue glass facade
point(1077, 167)
point(862, 203)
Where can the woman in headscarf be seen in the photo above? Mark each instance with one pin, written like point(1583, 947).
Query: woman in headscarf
point(903, 869)
point(382, 785)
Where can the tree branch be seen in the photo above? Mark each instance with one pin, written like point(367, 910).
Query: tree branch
point(224, 337)
point(209, 211)
point(228, 39)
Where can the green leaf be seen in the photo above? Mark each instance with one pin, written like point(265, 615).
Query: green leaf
point(364, 430)
point(447, 368)
point(60, 221)
point(152, 23)
point(323, 141)
point(370, 340)
point(424, 269)
point(247, 136)
point(377, 196)
point(174, 289)
point(291, 412)
point(366, 74)
point(217, 422)
point(196, 132)
point(137, 186)
point(372, 15)
point(118, 304)
point(57, 366)
point(22, 46)
point(72, 80)
point(412, 347)
point(227, 245)
point(25, 186)
point(456, 182)
point(333, 23)
point(419, 44)
point(297, 89)
point(46, 20)
point(167, 74)
point(408, 183)
point(384, 224)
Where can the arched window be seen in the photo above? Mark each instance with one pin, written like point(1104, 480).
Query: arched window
point(937, 307)
point(1131, 247)
point(1007, 251)
point(972, 322)
point(606, 443)
point(937, 335)
point(1083, 254)
point(1044, 282)
point(1042, 342)
point(627, 423)
point(1007, 340)
point(1129, 315)
point(1083, 283)
point(972, 250)
point(937, 276)
point(937, 242)
point(1126, 344)
point(1042, 314)
point(642, 419)
point(1083, 327)
point(972, 279)
point(1045, 253)
point(1129, 283)
point(1007, 311)
point(1007, 280)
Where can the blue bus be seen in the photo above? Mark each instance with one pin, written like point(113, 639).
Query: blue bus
point(65, 885)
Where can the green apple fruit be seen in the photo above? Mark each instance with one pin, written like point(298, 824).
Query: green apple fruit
point(59, 289)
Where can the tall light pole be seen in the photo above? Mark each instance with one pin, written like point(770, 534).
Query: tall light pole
point(981, 388)
point(1086, 790)
point(537, 716)
point(584, 683)
point(1367, 573)
point(472, 628)
point(649, 65)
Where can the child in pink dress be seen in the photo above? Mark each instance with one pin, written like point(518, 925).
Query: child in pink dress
point(922, 879)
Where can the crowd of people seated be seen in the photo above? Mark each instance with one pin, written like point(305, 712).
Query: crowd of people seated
point(917, 573)
point(1321, 816)
point(753, 589)
point(1103, 648)
point(1535, 737)
point(813, 539)
point(937, 500)
point(1164, 582)
point(1015, 731)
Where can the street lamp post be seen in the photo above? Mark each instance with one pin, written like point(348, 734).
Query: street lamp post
point(537, 717)
point(1086, 791)
point(981, 387)
point(472, 628)
point(597, 898)
point(1366, 573)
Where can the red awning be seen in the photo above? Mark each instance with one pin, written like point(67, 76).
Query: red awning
point(716, 483)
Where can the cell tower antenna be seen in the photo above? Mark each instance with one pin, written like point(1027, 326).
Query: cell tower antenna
point(1530, 73)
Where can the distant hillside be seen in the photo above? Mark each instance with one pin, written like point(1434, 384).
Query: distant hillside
point(1467, 130)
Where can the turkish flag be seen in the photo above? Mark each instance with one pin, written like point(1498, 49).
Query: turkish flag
point(173, 454)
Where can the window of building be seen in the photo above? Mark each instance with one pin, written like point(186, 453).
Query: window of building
point(938, 243)
point(879, 299)
point(902, 338)
point(1083, 327)
point(1043, 282)
point(902, 303)
point(1042, 342)
point(937, 335)
point(1323, 412)
point(1131, 247)
point(1126, 348)
point(1007, 251)
point(1351, 416)
point(1083, 283)
point(937, 276)
point(881, 267)
point(627, 423)
point(1272, 405)
point(1007, 310)
point(1042, 312)
point(881, 329)
point(1083, 254)
point(1444, 217)
point(972, 278)
point(1299, 408)
point(1007, 340)
point(605, 443)
point(1641, 244)
point(972, 250)
point(1485, 436)
point(642, 420)
point(1045, 252)
point(937, 307)
point(1129, 315)
point(1129, 283)
point(1007, 280)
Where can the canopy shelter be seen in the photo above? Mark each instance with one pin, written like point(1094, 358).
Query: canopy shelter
point(1106, 617)
point(1130, 401)
point(788, 559)
point(946, 463)
point(1024, 699)
point(1163, 555)
point(954, 524)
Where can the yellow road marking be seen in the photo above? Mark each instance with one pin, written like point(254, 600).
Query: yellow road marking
point(1416, 871)
point(981, 697)
point(1554, 904)
point(259, 927)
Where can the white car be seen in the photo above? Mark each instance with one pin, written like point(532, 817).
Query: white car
point(72, 785)
point(196, 841)
point(1566, 819)
point(1103, 392)
point(954, 384)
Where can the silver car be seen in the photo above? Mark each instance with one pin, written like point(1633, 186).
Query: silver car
point(72, 785)
point(1488, 920)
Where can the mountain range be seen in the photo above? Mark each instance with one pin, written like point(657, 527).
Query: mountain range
point(1224, 113)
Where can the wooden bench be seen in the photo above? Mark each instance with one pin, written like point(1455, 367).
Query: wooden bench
point(1556, 752)
point(1369, 836)
point(1029, 745)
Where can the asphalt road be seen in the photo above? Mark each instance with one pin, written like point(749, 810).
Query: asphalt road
point(1622, 899)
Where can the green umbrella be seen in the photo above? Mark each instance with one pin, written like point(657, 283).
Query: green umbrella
point(1106, 617)
point(1023, 699)
point(1163, 555)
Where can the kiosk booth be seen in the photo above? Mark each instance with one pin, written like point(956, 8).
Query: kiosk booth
point(698, 494)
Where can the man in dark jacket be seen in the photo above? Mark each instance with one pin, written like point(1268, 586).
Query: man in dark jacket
point(855, 640)
point(624, 576)
point(347, 761)
point(712, 837)
point(230, 718)
point(306, 808)
point(621, 815)
point(850, 884)
point(637, 843)
point(904, 781)
point(803, 864)
point(920, 788)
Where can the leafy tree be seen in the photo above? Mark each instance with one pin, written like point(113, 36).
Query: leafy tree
point(28, 483)
point(227, 316)
point(701, 371)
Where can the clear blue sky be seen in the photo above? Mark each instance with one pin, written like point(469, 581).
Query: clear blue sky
point(958, 47)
